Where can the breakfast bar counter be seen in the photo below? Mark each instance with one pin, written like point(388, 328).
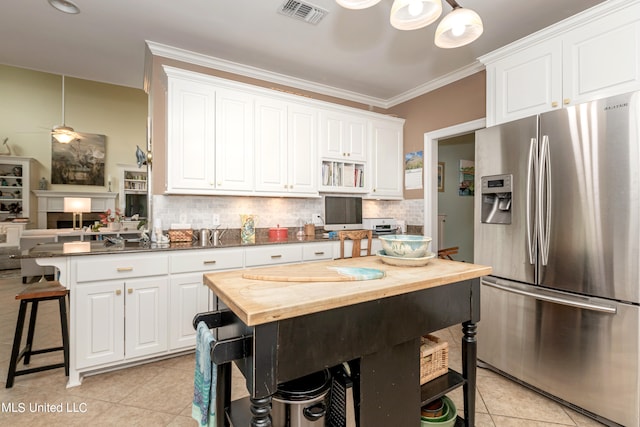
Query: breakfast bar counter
point(297, 322)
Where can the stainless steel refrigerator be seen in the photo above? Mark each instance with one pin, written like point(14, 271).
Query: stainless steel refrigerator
point(558, 218)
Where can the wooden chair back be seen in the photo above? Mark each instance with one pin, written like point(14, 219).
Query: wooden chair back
point(447, 252)
point(357, 236)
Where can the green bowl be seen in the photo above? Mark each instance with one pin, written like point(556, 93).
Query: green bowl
point(449, 416)
point(445, 414)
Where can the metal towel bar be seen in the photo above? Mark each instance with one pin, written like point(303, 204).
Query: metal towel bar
point(227, 350)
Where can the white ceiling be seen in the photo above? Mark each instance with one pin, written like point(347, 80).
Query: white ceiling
point(350, 50)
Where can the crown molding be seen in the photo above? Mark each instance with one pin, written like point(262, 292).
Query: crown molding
point(453, 76)
point(159, 49)
point(190, 57)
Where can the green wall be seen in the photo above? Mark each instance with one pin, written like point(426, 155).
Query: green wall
point(31, 104)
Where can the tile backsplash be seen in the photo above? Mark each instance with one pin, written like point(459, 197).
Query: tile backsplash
point(271, 211)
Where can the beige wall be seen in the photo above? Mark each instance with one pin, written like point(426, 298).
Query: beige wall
point(458, 102)
point(31, 103)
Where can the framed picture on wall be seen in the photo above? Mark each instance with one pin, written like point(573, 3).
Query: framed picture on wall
point(80, 162)
point(467, 172)
point(440, 176)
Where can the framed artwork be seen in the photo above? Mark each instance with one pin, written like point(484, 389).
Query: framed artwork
point(467, 172)
point(440, 176)
point(80, 162)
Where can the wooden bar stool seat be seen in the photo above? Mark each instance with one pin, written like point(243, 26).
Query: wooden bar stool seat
point(33, 294)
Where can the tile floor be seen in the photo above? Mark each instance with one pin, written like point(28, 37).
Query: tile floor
point(159, 393)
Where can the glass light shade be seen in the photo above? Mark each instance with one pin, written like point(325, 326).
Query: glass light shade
point(414, 14)
point(64, 134)
point(460, 27)
point(357, 4)
point(77, 204)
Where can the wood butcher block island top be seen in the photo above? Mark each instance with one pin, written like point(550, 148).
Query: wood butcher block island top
point(259, 301)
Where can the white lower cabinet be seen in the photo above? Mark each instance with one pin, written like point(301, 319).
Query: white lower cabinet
point(132, 307)
point(189, 296)
point(102, 334)
point(99, 322)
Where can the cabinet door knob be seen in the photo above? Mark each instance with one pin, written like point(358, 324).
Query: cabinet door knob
point(554, 104)
point(118, 291)
point(129, 291)
point(566, 101)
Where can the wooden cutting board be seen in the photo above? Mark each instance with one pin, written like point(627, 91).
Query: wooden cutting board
point(313, 273)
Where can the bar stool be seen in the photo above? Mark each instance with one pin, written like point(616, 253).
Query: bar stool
point(33, 294)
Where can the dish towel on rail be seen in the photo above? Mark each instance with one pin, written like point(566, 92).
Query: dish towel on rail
point(203, 409)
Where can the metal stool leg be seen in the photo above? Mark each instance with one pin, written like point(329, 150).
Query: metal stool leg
point(65, 333)
point(16, 344)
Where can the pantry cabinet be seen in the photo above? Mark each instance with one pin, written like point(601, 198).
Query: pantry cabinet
point(595, 56)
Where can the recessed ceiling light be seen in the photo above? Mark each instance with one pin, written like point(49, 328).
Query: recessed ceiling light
point(66, 6)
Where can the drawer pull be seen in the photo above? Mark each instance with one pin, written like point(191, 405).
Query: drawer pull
point(118, 291)
point(319, 253)
point(124, 269)
point(209, 262)
point(129, 291)
point(276, 256)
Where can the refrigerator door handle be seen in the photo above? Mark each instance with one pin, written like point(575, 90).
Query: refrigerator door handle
point(543, 207)
point(546, 296)
point(532, 167)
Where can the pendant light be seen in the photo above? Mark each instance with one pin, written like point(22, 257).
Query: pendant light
point(63, 133)
point(357, 4)
point(460, 27)
point(414, 14)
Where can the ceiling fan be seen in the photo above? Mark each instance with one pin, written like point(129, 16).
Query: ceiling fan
point(63, 133)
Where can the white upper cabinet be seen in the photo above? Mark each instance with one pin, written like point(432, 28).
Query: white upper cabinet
point(191, 135)
point(286, 145)
point(234, 140)
point(526, 83)
point(386, 163)
point(593, 56)
point(230, 138)
point(343, 136)
point(602, 58)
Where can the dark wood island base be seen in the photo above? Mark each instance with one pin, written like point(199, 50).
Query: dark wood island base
point(379, 337)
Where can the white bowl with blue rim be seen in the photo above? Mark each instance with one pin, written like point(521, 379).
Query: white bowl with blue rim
point(405, 245)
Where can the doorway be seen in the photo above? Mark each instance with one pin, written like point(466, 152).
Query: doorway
point(431, 143)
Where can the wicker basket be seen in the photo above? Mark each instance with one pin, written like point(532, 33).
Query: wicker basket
point(434, 358)
point(182, 235)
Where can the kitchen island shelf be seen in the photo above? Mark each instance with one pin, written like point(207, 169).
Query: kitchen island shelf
point(440, 386)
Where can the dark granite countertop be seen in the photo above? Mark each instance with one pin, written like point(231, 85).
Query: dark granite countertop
point(103, 247)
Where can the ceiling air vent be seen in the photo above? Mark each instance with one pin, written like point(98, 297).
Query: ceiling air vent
point(303, 11)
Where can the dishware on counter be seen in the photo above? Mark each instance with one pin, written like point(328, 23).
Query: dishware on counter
point(405, 261)
point(405, 245)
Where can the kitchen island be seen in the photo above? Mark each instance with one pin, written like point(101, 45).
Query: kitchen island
point(295, 328)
